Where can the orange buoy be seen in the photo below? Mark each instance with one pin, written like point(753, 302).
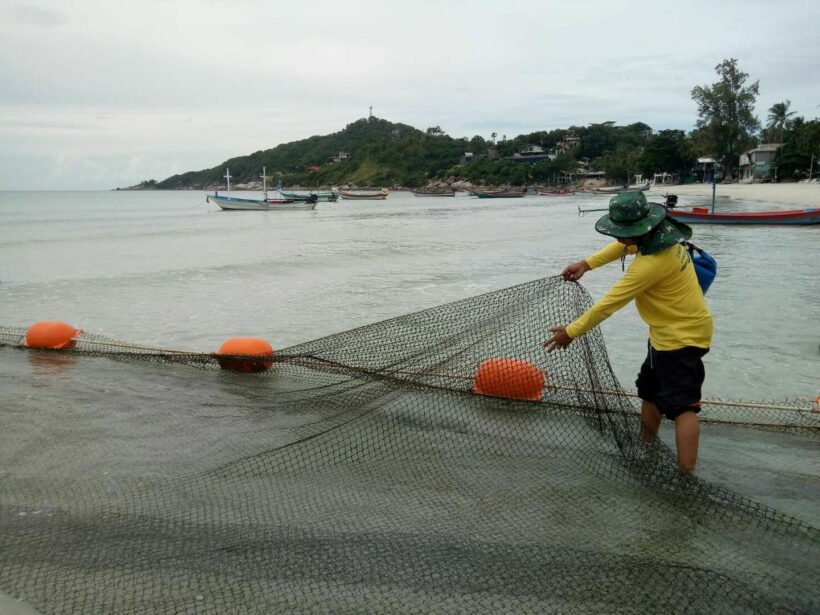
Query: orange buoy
point(509, 378)
point(259, 351)
point(51, 335)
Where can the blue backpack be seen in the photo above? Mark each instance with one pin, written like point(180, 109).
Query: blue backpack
point(705, 265)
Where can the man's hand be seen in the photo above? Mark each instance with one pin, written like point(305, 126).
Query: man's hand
point(575, 271)
point(559, 339)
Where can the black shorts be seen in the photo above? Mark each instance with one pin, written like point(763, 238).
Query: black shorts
point(672, 379)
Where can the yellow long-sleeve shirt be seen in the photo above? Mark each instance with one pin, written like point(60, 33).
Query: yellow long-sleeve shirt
point(666, 292)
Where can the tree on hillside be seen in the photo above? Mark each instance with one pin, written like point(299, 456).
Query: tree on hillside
point(726, 112)
point(798, 158)
point(667, 151)
point(779, 116)
point(621, 165)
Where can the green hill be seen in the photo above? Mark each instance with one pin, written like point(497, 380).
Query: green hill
point(379, 153)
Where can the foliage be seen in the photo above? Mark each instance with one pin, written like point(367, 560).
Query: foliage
point(726, 112)
point(669, 151)
point(779, 116)
point(620, 165)
point(801, 140)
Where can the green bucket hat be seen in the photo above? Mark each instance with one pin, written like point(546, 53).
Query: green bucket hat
point(630, 215)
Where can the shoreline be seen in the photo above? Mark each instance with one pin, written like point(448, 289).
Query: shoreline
point(804, 195)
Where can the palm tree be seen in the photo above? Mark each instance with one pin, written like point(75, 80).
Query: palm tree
point(779, 115)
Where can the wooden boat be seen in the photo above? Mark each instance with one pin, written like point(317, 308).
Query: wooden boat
point(702, 215)
point(364, 196)
point(433, 192)
point(323, 196)
point(555, 192)
point(619, 189)
point(232, 203)
point(496, 194)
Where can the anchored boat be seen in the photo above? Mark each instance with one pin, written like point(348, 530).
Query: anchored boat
point(364, 196)
point(233, 203)
point(702, 215)
point(496, 194)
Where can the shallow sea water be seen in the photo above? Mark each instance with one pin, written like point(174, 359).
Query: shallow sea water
point(167, 269)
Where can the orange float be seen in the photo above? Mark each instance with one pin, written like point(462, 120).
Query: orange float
point(509, 378)
point(259, 351)
point(51, 335)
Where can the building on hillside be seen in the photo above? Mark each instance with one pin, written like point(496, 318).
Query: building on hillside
point(568, 142)
point(756, 163)
point(467, 158)
point(531, 153)
point(340, 155)
point(666, 179)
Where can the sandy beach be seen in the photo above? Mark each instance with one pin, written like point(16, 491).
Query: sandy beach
point(804, 195)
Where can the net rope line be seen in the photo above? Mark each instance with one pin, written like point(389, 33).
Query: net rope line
point(156, 351)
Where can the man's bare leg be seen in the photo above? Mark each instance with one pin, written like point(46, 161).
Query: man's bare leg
point(650, 420)
point(687, 433)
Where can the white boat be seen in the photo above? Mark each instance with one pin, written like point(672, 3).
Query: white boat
point(233, 203)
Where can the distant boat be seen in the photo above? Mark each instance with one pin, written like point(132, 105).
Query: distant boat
point(326, 196)
point(364, 196)
point(555, 192)
point(701, 215)
point(232, 203)
point(433, 192)
point(496, 194)
point(619, 189)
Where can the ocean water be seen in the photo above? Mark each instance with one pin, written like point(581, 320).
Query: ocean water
point(167, 269)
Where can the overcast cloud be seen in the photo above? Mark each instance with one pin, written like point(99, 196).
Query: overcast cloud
point(98, 94)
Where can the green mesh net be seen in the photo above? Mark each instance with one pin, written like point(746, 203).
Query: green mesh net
point(361, 473)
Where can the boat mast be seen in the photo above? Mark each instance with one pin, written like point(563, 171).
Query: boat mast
point(228, 177)
point(264, 183)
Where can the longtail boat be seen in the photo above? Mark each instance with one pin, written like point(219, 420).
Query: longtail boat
point(433, 192)
point(701, 215)
point(364, 196)
point(496, 194)
point(618, 189)
point(326, 196)
point(555, 192)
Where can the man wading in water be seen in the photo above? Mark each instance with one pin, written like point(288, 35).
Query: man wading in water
point(663, 283)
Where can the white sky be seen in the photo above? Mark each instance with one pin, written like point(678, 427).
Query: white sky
point(102, 93)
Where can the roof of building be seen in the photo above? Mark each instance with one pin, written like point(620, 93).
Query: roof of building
point(766, 147)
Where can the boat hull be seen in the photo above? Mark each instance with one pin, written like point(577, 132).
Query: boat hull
point(434, 193)
point(791, 217)
point(498, 195)
point(231, 203)
point(364, 196)
point(617, 190)
point(556, 193)
point(324, 197)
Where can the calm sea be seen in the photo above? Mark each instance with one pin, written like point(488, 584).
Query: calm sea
point(167, 269)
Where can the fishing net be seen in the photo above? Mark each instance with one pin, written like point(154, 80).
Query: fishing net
point(362, 473)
